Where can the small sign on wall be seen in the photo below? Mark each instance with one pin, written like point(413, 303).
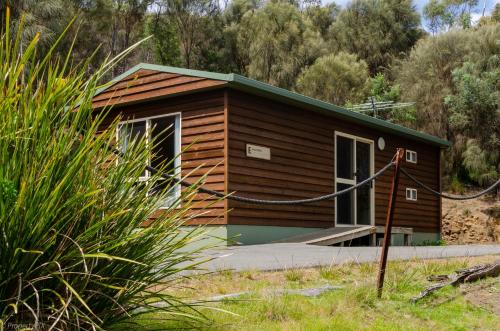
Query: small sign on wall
point(258, 152)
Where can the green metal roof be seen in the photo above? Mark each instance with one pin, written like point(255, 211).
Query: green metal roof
point(255, 87)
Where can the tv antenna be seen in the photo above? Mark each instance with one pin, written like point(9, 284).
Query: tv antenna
point(375, 108)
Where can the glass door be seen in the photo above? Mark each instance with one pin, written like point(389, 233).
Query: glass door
point(353, 164)
point(363, 194)
point(345, 165)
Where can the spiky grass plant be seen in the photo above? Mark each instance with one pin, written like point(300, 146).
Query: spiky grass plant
point(74, 251)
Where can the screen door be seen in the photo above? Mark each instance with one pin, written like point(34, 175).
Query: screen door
point(353, 164)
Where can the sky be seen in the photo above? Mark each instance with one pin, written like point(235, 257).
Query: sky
point(421, 3)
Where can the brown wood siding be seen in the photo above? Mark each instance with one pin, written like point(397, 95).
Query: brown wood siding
point(217, 124)
point(148, 84)
point(202, 138)
point(302, 166)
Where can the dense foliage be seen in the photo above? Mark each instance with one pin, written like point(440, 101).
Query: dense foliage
point(376, 30)
point(336, 78)
point(454, 80)
point(74, 251)
point(292, 43)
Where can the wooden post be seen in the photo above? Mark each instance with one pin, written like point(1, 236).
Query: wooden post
point(388, 222)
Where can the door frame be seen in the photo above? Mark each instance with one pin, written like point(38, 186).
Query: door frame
point(353, 181)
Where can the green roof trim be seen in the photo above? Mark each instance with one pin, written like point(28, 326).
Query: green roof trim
point(255, 87)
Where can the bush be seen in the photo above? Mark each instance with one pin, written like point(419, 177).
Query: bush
point(336, 78)
point(453, 79)
point(74, 251)
point(456, 186)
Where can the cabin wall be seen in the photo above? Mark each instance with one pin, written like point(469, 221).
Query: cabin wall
point(302, 166)
point(217, 124)
point(202, 140)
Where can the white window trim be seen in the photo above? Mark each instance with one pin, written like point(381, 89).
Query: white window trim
point(353, 181)
point(177, 142)
point(409, 158)
point(409, 194)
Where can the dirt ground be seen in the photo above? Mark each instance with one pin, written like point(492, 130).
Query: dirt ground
point(485, 295)
point(471, 221)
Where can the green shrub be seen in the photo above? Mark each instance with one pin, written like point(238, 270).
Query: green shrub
point(456, 186)
point(74, 251)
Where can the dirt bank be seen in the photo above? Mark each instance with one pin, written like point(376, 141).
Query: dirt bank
point(471, 221)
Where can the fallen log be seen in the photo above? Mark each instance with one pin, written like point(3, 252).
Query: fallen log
point(467, 275)
point(491, 271)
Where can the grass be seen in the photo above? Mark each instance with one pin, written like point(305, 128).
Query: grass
point(354, 307)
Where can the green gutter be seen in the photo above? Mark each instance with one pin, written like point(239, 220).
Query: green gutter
point(255, 87)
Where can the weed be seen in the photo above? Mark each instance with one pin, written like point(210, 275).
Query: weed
point(366, 296)
point(226, 273)
point(294, 275)
point(368, 268)
point(327, 273)
point(275, 310)
point(249, 274)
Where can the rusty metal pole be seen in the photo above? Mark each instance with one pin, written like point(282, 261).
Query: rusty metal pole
point(388, 222)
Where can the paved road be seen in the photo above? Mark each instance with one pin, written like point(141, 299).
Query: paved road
point(283, 256)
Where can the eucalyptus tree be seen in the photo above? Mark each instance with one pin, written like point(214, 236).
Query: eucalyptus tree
point(45, 17)
point(434, 72)
point(495, 15)
point(336, 78)
point(475, 116)
point(111, 25)
point(442, 15)
point(276, 42)
point(126, 19)
point(191, 18)
point(322, 17)
point(164, 46)
point(235, 57)
point(376, 30)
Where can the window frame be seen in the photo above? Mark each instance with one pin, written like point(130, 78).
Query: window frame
point(408, 156)
point(177, 147)
point(409, 196)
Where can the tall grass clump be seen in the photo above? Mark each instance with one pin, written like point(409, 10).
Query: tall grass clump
point(74, 249)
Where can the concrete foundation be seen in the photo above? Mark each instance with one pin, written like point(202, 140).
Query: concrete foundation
point(253, 235)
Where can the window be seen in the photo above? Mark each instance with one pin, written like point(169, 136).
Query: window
point(411, 194)
point(164, 131)
point(411, 156)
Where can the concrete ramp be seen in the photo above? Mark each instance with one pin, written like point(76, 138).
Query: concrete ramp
point(331, 236)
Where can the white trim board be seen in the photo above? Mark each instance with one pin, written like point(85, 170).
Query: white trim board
point(353, 181)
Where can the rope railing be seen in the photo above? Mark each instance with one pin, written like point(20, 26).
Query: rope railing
point(167, 176)
point(329, 196)
point(450, 196)
point(271, 202)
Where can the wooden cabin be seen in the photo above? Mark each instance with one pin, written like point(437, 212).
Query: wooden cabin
point(265, 142)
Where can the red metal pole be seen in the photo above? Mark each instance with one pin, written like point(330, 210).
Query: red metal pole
point(388, 223)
